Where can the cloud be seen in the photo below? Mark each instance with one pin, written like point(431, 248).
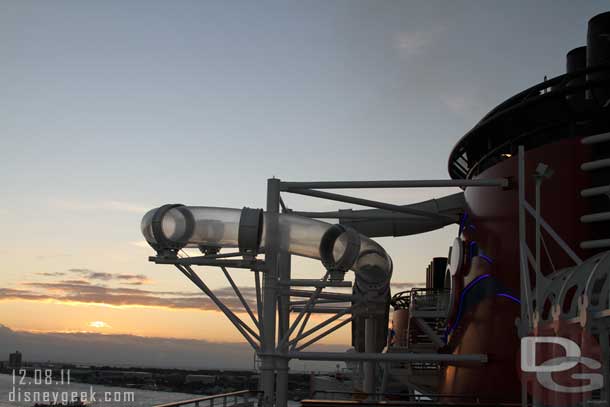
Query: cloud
point(100, 276)
point(413, 42)
point(87, 292)
point(117, 206)
point(129, 279)
point(11, 293)
point(133, 279)
point(54, 274)
point(74, 281)
point(80, 291)
point(93, 275)
point(78, 270)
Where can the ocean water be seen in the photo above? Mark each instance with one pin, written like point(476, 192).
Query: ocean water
point(105, 396)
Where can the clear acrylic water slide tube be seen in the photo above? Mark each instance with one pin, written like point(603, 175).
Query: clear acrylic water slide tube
point(197, 226)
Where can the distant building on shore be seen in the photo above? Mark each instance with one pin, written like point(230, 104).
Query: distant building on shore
point(14, 359)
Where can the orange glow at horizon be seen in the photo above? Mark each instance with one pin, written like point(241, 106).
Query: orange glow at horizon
point(68, 317)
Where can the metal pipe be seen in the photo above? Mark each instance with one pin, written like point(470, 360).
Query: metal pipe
point(370, 203)
point(285, 339)
point(283, 303)
point(429, 332)
point(548, 254)
point(326, 296)
point(526, 289)
point(384, 380)
point(301, 303)
point(595, 244)
point(390, 357)
point(554, 235)
point(595, 165)
point(237, 322)
point(322, 324)
point(308, 314)
point(349, 215)
point(270, 293)
point(598, 138)
point(192, 275)
point(595, 191)
point(303, 282)
point(369, 365)
point(441, 183)
point(326, 333)
point(204, 261)
point(595, 217)
point(537, 246)
point(240, 296)
point(259, 303)
point(524, 250)
point(380, 223)
point(524, 271)
point(320, 310)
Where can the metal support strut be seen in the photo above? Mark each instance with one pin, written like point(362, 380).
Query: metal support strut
point(270, 292)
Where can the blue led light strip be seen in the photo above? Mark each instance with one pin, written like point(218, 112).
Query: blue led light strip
point(474, 282)
point(462, 223)
point(510, 297)
point(460, 307)
point(486, 258)
point(471, 249)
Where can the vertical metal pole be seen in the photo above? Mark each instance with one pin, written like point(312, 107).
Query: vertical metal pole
point(538, 274)
point(538, 259)
point(522, 242)
point(538, 238)
point(270, 288)
point(369, 365)
point(385, 379)
point(283, 327)
point(259, 301)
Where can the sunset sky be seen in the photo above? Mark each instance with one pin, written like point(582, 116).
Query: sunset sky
point(111, 108)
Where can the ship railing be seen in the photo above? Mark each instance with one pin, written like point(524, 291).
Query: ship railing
point(332, 398)
point(465, 166)
point(242, 398)
point(429, 299)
